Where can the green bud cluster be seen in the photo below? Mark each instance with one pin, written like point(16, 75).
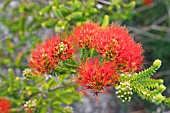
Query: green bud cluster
point(141, 84)
point(27, 73)
point(68, 109)
point(30, 105)
point(62, 46)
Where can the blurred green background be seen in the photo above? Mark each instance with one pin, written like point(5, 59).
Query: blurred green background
point(24, 23)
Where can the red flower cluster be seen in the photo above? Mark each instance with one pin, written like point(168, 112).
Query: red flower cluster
point(129, 53)
point(114, 43)
point(46, 55)
point(120, 53)
point(95, 77)
point(5, 105)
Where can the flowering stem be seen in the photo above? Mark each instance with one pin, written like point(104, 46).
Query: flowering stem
point(60, 87)
point(82, 54)
point(91, 52)
point(85, 53)
point(147, 72)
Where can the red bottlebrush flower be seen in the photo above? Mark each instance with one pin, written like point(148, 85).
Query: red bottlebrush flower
point(115, 44)
point(147, 2)
point(5, 105)
point(46, 55)
point(84, 35)
point(129, 56)
point(96, 77)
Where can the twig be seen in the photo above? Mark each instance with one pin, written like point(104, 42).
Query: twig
point(156, 27)
point(61, 86)
point(168, 10)
point(145, 7)
point(160, 20)
point(162, 73)
point(104, 2)
point(144, 33)
point(16, 110)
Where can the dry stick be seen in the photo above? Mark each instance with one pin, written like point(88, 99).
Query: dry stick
point(144, 33)
point(168, 10)
point(162, 73)
point(145, 7)
point(156, 27)
point(160, 20)
point(104, 2)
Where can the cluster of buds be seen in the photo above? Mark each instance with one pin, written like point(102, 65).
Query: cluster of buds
point(68, 109)
point(27, 73)
point(62, 46)
point(30, 105)
point(124, 91)
point(63, 50)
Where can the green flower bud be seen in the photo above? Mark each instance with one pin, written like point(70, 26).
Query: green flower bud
point(158, 99)
point(162, 87)
point(157, 63)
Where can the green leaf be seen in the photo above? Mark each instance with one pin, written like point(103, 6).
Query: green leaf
point(7, 2)
point(44, 10)
point(63, 76)
point(76, 15)
point(57, 12)
point(49, 23)
point(11, 77)
point(43, 109)
point(50, 83)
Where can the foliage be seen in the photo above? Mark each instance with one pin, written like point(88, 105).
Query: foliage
point(147, 88)
point(50, 93)
point(23, 23)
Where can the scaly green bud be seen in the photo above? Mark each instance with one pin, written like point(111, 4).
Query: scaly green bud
point(158, 99)
point(157, 63)
point(162, 87)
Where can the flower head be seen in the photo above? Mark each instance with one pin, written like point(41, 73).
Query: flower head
point(46, 55)
point(115, 44)
point(5, 105)
point(96, 77)
point(129, 57)
point(84, 35)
